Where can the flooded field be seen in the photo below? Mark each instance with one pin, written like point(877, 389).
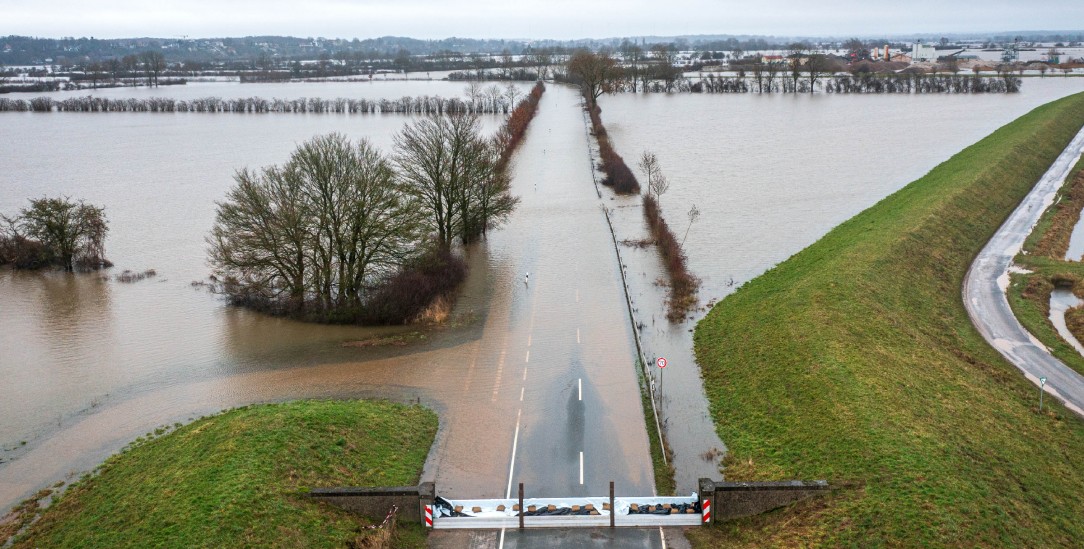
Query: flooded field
point(771, 174)
point(89, 364)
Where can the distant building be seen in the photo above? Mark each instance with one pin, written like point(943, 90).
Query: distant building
point(922, 52)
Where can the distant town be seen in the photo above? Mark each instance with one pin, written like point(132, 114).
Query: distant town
point(46, 64)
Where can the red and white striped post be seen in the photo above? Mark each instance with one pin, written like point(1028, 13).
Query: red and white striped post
point(705, 510)
point(428, 516)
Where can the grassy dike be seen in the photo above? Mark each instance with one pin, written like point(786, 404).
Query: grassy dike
point(854, 361)
point(238, 479)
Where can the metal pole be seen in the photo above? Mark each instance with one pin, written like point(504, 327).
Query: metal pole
point(1042, 384)
point(521, 506)
point(613, 510)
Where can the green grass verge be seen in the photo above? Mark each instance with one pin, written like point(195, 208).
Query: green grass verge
point(664, 470)
point(1029, 293)
point(854, 361)
point(238, 479)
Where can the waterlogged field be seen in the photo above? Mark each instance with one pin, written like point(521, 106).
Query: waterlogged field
point(769, 174)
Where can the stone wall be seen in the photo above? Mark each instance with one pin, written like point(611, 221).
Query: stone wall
point(731, 500)
point(374, 502)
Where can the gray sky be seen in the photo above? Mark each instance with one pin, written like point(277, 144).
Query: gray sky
point(561, 19)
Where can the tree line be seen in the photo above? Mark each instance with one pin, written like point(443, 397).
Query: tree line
point(344, 233)
point(801, 71)
point(423, 105)
point(591, 72)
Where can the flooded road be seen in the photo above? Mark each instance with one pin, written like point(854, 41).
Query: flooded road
point(544, 367)
point(90, 364)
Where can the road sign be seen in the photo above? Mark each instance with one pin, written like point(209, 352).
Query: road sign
point(661, 362)
point(1042, 381)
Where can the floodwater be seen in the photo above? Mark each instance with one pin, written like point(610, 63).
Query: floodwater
point(771, 174)
point(1061, 300)
point(89, 364)
point(376, 89)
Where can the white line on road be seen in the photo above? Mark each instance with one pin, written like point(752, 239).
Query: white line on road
point(521, 393)
point(525, 374)
point(528, 340)
point(577, 335)
point(581, 388)
point(512, 462)
point(581, 468)
point(528, 359)
point(497, 383)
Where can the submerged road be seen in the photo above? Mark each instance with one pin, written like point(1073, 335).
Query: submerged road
point(986, 282)
point(538, 386)
point(561, 363)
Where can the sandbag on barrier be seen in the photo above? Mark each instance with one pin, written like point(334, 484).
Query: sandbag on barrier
point(539, 507)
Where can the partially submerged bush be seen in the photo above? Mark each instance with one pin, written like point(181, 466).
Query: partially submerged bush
point(55, 232)
point(427, 283)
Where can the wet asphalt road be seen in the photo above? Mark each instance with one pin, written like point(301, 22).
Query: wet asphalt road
point(986, 281)
point(561, 363)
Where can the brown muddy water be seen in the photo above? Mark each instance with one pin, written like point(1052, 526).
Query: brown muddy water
point(89, 364)
point(770, 175)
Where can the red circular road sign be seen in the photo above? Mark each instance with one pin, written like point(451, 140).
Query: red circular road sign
point(661, 362)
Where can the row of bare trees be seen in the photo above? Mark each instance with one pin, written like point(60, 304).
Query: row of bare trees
point(802, 71)
point(423, 105)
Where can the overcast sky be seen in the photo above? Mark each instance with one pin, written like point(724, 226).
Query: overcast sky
point(561, 19)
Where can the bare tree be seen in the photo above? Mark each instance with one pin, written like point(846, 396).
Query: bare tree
point(511, 93)
point(665, 55)
point(541, 59)
point(316, 233)
point(474, 94)
point(595, 73)
point(771, 70)
point(816, 65)
point(507, 62)
point(657, 184)
point(447, 165)
point(153, 65)
point(797, 59)
point(694, 214)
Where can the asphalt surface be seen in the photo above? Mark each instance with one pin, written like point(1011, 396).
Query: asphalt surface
point(560, 365)
point(986, 281)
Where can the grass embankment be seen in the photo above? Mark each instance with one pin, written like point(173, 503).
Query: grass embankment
point(854, 361)
point(240, 478)
point(1043, 254)
point(663, 469)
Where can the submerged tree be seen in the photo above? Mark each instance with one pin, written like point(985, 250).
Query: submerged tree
point(153, 64)
point(657, 184)
point(594, 72)
point(452, 171)
point(316, 234)
point(56, 232)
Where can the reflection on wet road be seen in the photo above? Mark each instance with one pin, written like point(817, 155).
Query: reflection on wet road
point(539, 388)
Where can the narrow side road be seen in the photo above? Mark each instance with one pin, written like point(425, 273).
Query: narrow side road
point(986, 282)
